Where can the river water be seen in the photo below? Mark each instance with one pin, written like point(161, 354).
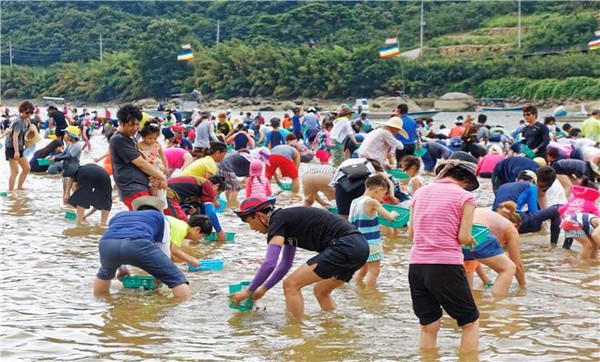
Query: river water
point(48, 311)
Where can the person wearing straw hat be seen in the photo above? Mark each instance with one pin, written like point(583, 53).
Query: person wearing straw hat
point(145, 238)
point(380, 142)
point(341, 249)
point(342, 128)
point(15, 146)
point(436, 274)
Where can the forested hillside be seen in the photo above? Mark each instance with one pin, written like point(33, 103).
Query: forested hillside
point(264, 49)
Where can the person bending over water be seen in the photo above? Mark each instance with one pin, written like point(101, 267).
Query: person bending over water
point(342, 251)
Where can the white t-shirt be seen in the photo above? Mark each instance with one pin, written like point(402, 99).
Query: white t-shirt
point(341, 129)
point(556, 194)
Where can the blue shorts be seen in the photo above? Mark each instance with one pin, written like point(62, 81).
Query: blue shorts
point(490, 247)
point(342, 257)
point(142, 253)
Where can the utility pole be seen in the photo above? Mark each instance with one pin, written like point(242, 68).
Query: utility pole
point(519, 31)
point(10, 53)
point(422, 25)
point(100, 47)
point(218, 30)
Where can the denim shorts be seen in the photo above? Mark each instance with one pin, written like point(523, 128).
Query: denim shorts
point(343, 257)
point(142, 253)
point(490, 247)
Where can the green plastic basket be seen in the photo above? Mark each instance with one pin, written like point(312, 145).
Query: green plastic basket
point(479, 233)
point(528, 151)
point(286, 186)
point(246, 304)
point(400, 221)
point(70, 215)
point(333, 210)
point(229, 237)
point(140, 281)
point(397, 173)
point(43, 162)
point(421, 152)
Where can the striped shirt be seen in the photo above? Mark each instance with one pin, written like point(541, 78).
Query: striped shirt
point(367, 225)
point(437, 212)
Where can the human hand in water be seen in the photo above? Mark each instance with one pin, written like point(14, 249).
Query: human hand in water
point(122, 272)
point(259, 293)
point(238, 297)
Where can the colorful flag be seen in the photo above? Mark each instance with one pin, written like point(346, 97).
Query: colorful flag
point(594, 44)
point(389, 51)
point(389, 41)
point(185, 55)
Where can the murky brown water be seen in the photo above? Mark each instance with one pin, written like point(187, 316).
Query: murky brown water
point(48, 311)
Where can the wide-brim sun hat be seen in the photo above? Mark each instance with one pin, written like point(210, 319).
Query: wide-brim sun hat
point(343, 110)
point(32, 136)
point(396, 122)
point(464, 161)
point(151, 201)
point(73, 131)
point(495, 149)
point(254, 204)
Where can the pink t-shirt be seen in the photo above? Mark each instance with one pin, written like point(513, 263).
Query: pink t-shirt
point(437, 211)
point(258, 186)
point(488, 162)
point(174, 156)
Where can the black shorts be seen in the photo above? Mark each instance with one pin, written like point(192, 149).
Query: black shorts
point(343, 199)
point(342, 257)
point(437, 286)
point(10, 153)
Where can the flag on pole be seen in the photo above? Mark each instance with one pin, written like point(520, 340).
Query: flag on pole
point(185, 54)
point(594, 44)
point(389, 51)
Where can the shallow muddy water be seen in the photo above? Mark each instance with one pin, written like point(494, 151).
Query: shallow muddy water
point(48, 310)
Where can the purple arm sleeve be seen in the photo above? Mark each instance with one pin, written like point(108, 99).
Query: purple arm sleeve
point(267, 266)
point(289, 251)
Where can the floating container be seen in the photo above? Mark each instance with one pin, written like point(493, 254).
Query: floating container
point(147, 282)
point(229, 237)
point(397, 173)
point(400, 221)
point(206, 265)
point(246, 304)
point(286, 186)
point(70, 215)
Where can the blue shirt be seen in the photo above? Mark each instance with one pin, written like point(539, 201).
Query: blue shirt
point(410, 126)
point(296, 126)
point(508, 169)
point(521, 192)
point(311, 121)
point(146, 224)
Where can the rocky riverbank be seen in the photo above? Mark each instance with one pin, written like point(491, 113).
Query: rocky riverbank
point(448, 102)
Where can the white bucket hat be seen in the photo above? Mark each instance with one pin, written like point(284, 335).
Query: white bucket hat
point(395, 122)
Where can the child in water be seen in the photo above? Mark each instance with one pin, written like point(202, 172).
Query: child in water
point(436, 274)
point(324, 143)
point(363, 214)
point(153, 153)
point(581, 218)
point(257, 185)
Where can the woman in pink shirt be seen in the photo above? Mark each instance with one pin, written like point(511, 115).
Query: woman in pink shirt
point(489, 161)
point(441, 218)
point(177, 158)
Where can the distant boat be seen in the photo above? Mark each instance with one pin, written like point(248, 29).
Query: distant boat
point(561, 114)
point(502, 109)
point(429, 113)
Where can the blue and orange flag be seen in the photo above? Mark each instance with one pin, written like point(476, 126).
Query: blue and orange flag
point(185, 54)
point(390, 48)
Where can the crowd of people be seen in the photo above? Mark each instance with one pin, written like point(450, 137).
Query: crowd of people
point(540, 175)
